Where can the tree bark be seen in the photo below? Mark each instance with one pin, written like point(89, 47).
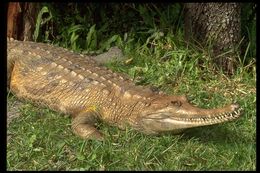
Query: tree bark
point(13, 20)
point(216, 24)
point(21, 19)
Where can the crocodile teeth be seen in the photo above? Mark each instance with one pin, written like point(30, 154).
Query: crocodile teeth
point(230, 115)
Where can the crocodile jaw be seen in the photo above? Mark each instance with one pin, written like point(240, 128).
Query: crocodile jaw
point(177, 118)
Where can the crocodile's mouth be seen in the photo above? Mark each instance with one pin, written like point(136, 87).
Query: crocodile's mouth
point(169, 119)
point(200, 119)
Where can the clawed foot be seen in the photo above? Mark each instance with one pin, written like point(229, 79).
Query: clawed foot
point(83, 126)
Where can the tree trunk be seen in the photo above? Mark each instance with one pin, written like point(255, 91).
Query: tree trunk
point(216, 24)
point(13, 20)
point(21, 19)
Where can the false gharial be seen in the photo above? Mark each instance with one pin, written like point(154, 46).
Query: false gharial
point(75, 84)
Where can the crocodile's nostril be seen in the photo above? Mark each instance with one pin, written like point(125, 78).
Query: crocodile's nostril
point(176, 103)
point(235, 106)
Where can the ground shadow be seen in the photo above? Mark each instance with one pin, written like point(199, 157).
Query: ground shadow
point(216, 134)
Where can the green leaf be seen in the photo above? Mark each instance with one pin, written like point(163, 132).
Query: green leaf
point(91, 40)
point(40, 21)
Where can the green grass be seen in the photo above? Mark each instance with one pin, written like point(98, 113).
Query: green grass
point(42, 139)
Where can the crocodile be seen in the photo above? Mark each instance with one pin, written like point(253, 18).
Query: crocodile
point(76, 84)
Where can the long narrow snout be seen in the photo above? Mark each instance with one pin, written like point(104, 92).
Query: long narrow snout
point(175, 118)
point(192, 114)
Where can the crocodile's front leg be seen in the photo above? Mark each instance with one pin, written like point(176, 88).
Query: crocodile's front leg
point(83, 125)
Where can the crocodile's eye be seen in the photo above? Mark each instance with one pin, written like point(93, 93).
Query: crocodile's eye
point(176, 103)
